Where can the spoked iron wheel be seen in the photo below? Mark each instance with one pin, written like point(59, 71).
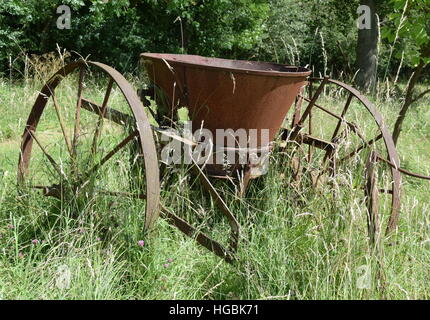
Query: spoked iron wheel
point(346, 138)
point(85, 142)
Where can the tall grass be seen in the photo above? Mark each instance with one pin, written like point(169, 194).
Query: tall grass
point(297, 242)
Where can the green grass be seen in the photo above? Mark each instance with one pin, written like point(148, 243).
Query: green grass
point(296, 243)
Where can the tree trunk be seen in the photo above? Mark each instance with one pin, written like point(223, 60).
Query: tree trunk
point(367, 50)
point(408, 101)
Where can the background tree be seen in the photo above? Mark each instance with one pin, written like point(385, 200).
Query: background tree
point(367, 46)
point(304, 33)
point(410, 24)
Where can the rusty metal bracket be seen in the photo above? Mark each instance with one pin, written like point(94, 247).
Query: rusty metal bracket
point(200, 237)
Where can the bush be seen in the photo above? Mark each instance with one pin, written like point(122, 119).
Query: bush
point(115, 32)
point(304, 33)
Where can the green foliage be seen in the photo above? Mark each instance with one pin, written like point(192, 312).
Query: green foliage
point(116, 32)
point(321, 34)
point(317, 33)
point(412, 28)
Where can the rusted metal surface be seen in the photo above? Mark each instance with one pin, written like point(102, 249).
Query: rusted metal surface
point(144, 130)
point(307, 139)
point(200, 237)
point(228, 254)
point(404, 171)
point(312, 102)
point(234, 224)
point(110, 114)
point(220, 94)
point(223, 94)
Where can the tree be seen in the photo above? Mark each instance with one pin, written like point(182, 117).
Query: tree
point(116, 32)
point(410, 23)
point(367, 45)
point(320, 34)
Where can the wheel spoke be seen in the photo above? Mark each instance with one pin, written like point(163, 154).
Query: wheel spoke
point(123, 194)
point(406, 172)
point(117, 148)
point(329, 112)
point(310, 129)
point(344, 111)
point(372, 200)
point(306, 139)
point(50, 158)
point(111, 114)
point(354, 128)
point(354, 143)
point(54, 190)
point(312, 101)
point(341, 119)
point(298, 109)
point(363, 146)
point(63, 127)
point(84, 136)
point(77, 128)
point(296, 129)
point(102, 113)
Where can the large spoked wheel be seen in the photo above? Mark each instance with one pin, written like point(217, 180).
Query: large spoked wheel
point(84, 141)
point(346, 139)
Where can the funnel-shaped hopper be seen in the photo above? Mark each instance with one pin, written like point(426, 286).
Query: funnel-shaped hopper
point(223, 94)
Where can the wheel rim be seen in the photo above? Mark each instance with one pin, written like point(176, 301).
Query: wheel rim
point(310, 120)
point(72, 139)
